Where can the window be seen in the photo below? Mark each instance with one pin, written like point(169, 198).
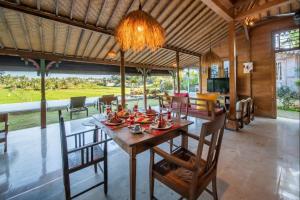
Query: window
point(287, 40)
point(226, 68)
point(278, 71)
point(214, 72)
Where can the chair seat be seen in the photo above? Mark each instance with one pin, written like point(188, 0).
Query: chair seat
point(172, 174)
point(75, 157)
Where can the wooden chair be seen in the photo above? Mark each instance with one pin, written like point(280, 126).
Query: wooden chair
point(4, 132)
point(77, 104)
point(107, 100)
point(81, 155)
point(164, 101)
point(180, 107)
point(187, 173)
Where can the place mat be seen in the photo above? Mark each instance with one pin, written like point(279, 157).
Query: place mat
point(158, 132)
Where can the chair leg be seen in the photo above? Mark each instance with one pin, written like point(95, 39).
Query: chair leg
point(67, 187)
point(171, 146)
point(105, 168)
point(95, 168)
point(214, 188)
point(151, 179)
point(87, 112)
point(70, 115)
point(5, 146)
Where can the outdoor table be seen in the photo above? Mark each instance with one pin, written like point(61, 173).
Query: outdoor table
point(134, 144)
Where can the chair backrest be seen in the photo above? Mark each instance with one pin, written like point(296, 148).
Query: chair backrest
point(64, 145)
point(107, 99)
point(180, 106)
point(211, 136)
point(4, 118)
point(77, 102)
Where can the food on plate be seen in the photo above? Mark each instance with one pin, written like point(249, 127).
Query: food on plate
point(149, 111)
point(143, 120)
point(123, 114)
point(115, 119)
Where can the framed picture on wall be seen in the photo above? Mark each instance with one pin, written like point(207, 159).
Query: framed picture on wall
point(248, 67)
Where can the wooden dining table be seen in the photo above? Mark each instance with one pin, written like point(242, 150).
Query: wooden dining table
point(134, 144)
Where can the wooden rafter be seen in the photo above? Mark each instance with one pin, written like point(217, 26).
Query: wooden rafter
point(87, 44)
point(188, 21)
point(79, 41)
point(7, 28)
point(103, 46)
point(87, 11)
point(65, 20)
point(111, 14)
point(56, 7)
point(96, 43)
point(100, 12)
point(54, 37)
point(41, 34)
point(25, 30)
point(60, 57)
point(67, 39)
point(218, 8)
point(72, 8)
point(261, 8)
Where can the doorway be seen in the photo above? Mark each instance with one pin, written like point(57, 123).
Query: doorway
point(287, 66)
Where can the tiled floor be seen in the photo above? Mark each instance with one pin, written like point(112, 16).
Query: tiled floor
point(259, 162)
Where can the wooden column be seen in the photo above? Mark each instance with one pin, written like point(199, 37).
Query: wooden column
point(200, 76)
point(178, 75)
point(144, 73)
point(43, 94)
point(188, 84)
point(232, 68)
point(122, 74)
point(145, 88)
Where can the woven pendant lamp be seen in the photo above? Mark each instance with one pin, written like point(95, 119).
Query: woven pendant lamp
point(139, 30)
point(210, 58)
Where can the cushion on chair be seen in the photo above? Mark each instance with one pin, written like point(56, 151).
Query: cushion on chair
point(239, 108)
point(183, 94)
point(206, 96)
point(173, 173)
point(74, 158)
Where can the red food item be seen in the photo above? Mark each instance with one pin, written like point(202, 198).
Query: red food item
point(115, 119)
point(150, 111)
point(161, 122)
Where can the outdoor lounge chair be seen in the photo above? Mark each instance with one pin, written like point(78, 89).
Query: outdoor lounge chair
point(4, 132)
point(77, 104)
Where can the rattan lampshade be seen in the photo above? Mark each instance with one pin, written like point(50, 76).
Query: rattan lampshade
point(139, 30)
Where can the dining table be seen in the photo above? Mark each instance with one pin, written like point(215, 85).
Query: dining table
point(134, 144)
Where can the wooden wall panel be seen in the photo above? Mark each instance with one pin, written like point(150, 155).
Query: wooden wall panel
point(260, 51)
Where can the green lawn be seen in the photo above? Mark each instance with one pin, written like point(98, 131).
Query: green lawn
point(32, 119)
point(21, 95)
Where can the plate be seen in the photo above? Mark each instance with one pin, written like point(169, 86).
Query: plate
point(155, 127)
point(114, 124)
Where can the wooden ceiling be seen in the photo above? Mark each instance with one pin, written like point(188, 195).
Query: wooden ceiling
point(82, 30)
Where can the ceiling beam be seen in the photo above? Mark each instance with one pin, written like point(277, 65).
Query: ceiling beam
point(219, 9)
point(261, 8)
point(60, 57)
point(67, 20)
